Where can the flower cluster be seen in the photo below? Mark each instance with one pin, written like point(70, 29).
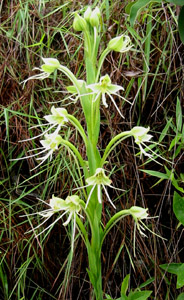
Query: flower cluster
point(91, 18)
point(70, 206)
point(52, 141)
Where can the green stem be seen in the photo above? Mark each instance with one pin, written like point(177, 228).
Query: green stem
point(83, 232)
point(75, 151)
point(71, 76)
point(100, 63)
point(113, 143)
point(117, 217)
point(78, 126)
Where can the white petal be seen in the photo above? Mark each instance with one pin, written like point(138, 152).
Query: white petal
point(99, 194)
point(90, 195)
point(116, 105)
point(108, 196)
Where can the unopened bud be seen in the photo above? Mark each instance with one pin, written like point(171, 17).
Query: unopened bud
point(95, 17)
point(121, 44)
point(79, 23)
point(87, 14)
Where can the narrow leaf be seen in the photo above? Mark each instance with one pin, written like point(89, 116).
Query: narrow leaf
point(165, 130)
point(147, 282)
point(179, 111)
point(178, 207)
point(155, 174)
point(124, 285)
point(181, 24)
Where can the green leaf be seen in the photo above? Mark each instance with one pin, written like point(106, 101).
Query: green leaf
point(180, 277)
point(175, 184)
point(156, 174)
point(128, 7)
point(137, 7)
point(165, 130)
point(181, 24)
point(124, 285)
point(171, 268)
point(139, 295)
point(147, 282)
point(108, 297)
point(178, 113)
point(123, 297)
point(180, 297)
point(176, 2)
point(178, 207)
point(177, 269)
point(175, 141)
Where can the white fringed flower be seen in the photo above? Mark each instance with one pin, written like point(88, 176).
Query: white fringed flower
point(70, 206)
point(140, 135)
point(49, 66)
point(138, 214)
point(50, 144)
point(57, 118)
point(99, 179)
point(103, 88)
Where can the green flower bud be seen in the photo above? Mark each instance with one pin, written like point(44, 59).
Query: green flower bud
point(87, 14)
point(95, 17)
point(121, 44)
point(50, 65)
point(138, 213)
point(79, 23)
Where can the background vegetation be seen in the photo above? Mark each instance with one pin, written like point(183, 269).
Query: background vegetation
point(152, 75)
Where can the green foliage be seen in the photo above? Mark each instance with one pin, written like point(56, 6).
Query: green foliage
point(133, 295)
point(177, 269)
point(181, 23)
point(176, 2)
point(178, 207)
point(136, 7)
point(180, 297)
point(176, 145)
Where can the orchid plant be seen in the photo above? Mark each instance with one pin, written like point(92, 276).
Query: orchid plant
point(90, 92)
